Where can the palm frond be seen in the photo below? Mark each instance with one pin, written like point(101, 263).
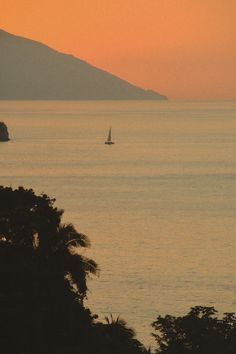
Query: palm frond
point(70, 236)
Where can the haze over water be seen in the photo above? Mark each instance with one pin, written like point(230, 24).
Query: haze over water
point(158, 206)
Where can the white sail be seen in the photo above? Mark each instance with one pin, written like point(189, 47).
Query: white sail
point(109, 141)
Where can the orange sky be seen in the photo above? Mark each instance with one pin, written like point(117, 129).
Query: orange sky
point(185, 49)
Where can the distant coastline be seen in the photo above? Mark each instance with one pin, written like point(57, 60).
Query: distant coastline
point(4, 135)
point(30, 70)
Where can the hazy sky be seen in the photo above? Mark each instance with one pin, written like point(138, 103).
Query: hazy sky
point(185, 49)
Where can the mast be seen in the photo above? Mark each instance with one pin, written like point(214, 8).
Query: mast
point(109, 135)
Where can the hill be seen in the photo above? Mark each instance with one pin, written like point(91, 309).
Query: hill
point(30, 70)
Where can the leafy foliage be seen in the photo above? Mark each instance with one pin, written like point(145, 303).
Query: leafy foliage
point(198, 332)
point(31, 225)
point(116, 338)
point(43, 284)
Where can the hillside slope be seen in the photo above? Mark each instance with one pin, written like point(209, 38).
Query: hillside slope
point(31, 70)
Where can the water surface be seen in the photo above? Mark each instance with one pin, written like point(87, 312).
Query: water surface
point(159, 206)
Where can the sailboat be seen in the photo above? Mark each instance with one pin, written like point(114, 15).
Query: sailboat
point(109, 141)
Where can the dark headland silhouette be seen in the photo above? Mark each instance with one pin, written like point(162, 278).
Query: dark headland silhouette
point(4, 135)
point(32, 70)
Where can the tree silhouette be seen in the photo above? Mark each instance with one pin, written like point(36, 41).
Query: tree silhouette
point(43, 284)
point(198, 332)
point(116, 337)
point(42, 274)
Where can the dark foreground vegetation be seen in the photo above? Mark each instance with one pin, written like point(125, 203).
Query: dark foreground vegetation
point(43, 286)
point(198, 332)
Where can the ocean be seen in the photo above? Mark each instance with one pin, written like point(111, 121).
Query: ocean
point(158, 206)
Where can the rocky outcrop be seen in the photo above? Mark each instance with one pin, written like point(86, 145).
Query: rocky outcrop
point(4, 136)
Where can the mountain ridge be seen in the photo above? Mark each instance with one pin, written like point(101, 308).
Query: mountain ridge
point(30, 69)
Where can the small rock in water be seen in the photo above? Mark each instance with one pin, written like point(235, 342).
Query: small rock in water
point(4, 136)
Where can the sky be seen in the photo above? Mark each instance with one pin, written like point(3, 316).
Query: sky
point(185, 49)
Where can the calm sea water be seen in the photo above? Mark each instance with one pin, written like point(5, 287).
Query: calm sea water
point(159, 206)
